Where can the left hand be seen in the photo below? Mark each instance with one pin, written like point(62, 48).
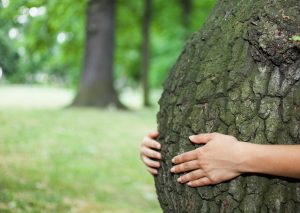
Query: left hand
point(217, 161)
point(149, 156)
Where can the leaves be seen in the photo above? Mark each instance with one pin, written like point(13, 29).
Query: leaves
point(36, 48)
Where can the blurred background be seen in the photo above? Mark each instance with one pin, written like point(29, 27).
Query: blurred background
point(66, 69)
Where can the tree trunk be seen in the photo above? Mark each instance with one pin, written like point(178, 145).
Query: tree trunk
point(145, 51)
point(96, 85)
point(238, 75)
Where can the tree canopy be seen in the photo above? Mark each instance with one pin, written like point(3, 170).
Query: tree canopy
point(43, 41)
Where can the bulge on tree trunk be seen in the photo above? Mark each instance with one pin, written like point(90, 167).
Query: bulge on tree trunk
point(238, 75)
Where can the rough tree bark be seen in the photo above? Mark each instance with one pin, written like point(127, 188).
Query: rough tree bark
point(238, 75)
point(96, 83)
point(145, 51)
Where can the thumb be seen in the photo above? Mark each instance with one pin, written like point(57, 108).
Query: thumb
point(201, 138)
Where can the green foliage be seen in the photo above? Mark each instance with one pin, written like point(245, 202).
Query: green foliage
point(51, 44)
point(167, 37)
point(38, 24)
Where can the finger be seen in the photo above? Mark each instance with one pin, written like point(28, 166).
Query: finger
point(152, 171)
point(191, 176)
point(185, 167)
point(201, 138)
point(154, 134)
point(150, 163)
point(151, 143)
point(187, 156)
point(150, 153)
point(200, 182)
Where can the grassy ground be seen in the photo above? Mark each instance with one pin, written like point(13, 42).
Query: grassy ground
point(73, 160)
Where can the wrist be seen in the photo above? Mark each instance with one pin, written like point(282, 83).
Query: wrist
point(248, 152)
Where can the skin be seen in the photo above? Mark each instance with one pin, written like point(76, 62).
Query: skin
point(222, 158)
point(147, 152)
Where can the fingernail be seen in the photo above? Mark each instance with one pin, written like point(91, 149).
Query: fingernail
point(179, 180)
point(189, 183)
point(173, 160)
point(191, 137)
point(173, 169)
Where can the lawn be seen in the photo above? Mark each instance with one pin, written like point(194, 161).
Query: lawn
point(73, 160)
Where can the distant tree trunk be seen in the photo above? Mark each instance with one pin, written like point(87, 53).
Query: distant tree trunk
point(145, 51)
point(96, 83)
point(186, 14)
point(239, 75)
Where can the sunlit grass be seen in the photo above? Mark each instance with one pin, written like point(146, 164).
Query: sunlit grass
point(41, 97)
point(74, 160)
point(33, 97)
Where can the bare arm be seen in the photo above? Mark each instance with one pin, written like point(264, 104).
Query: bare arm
point(279, 160)
point(223, 157)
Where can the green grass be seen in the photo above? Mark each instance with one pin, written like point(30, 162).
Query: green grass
point(74, 160)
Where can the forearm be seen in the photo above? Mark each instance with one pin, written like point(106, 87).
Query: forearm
point(279, 160)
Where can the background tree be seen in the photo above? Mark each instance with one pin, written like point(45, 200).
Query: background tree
point(238, 75)
point(145, 50)
point(186, 14)
point(96, 85)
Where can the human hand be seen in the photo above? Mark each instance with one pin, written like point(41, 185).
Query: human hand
point(148, 155)
point(217, 161)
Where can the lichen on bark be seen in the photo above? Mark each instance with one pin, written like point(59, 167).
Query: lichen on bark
point(238, 75)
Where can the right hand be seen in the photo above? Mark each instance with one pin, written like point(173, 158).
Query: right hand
point(148, 155)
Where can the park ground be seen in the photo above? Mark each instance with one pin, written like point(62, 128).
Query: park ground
point(59, 159)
